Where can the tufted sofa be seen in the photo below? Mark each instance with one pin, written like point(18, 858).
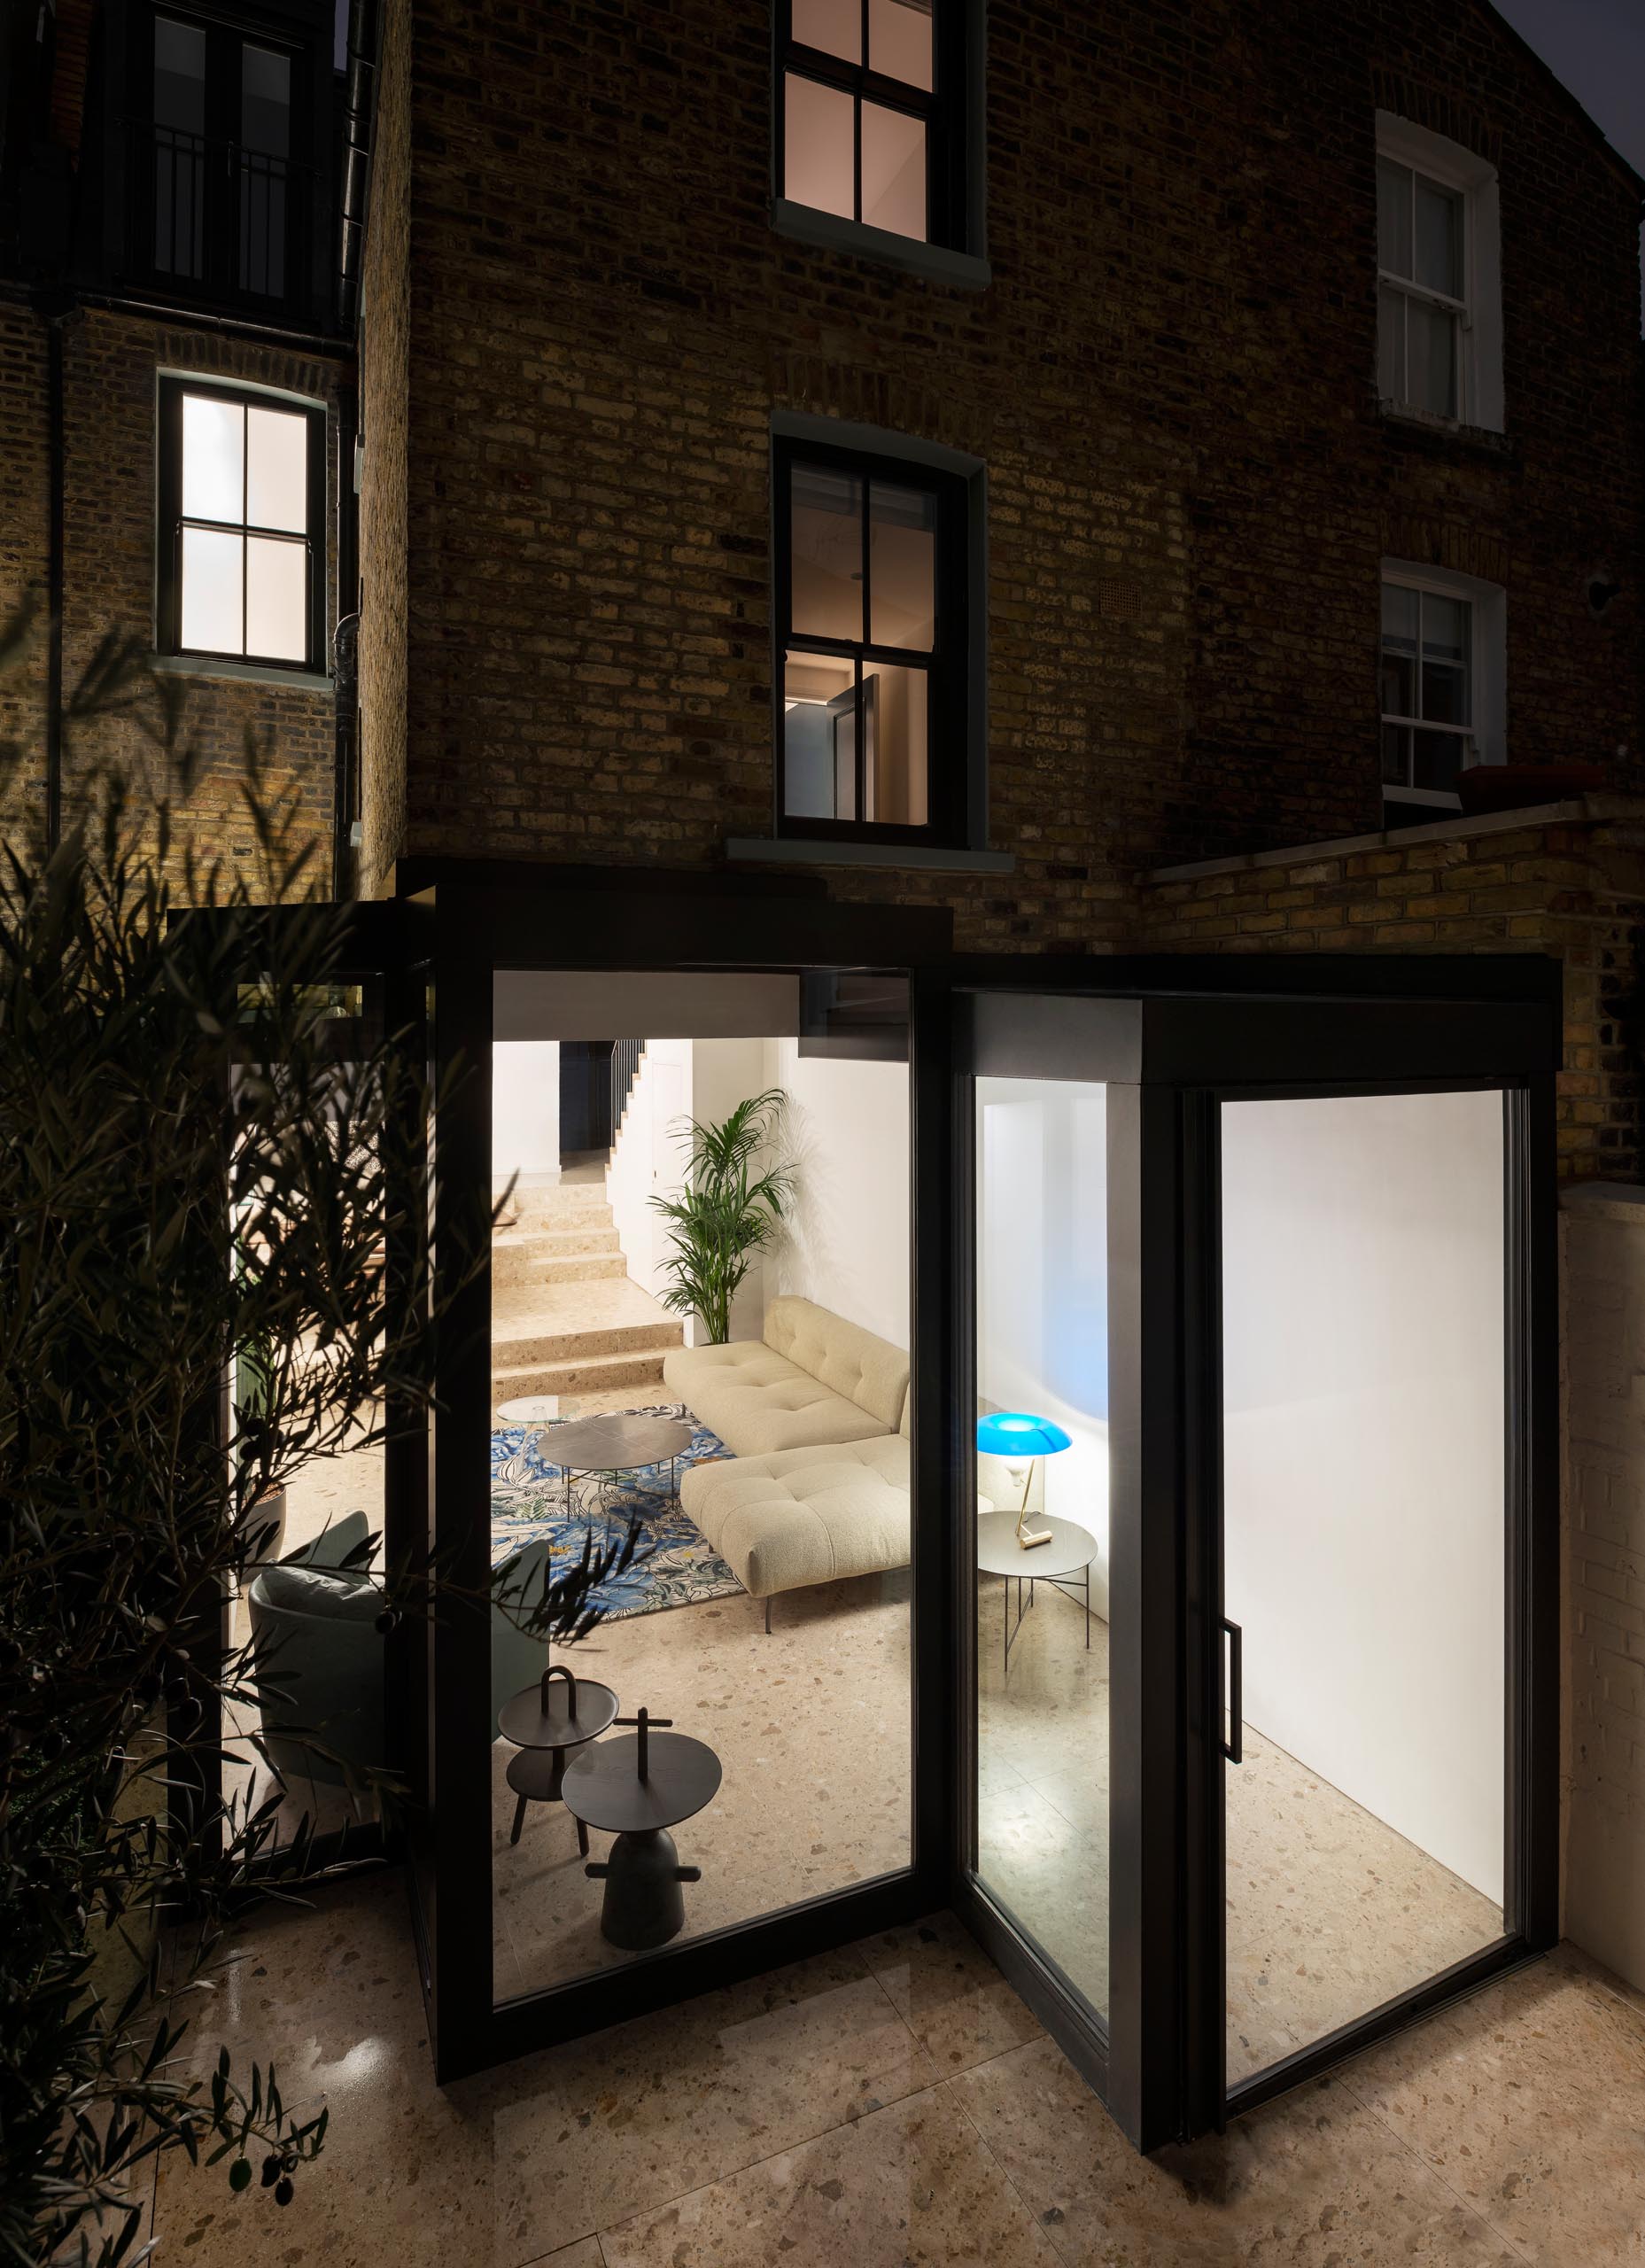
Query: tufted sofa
point(817, 1411)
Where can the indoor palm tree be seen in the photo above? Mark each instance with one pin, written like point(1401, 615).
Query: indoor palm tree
point(726, 1211)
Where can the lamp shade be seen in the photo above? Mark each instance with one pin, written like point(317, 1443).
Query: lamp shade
point(1013, 1433)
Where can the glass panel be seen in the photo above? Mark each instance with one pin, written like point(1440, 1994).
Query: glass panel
point(1439, 238)
point(818, 129)
point(816, 691)
point(1394, 217)
point(893, 171)
point(212, 616)
point(895, 702)
point(179, 76)
point(1445, 628)
point(265, 101)
point(1396, 767)
point(902, 567)
point(1437, 760)
point(277, 469)
point(277, 599)
point(805, 1732)
point(1399, 690)
point(826, 596)
point(899, 40)
point(213, 459)
point(1390, 344)
point(1363, 1337)
point(1041, 1525)
point(834, 25)
point(1432, 361)
point(1445, 694)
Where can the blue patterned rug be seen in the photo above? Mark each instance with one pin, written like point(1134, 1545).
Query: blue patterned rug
point(528, 1500)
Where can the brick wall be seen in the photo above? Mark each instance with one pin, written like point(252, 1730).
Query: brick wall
point(1171, 379)
point(111, 363)
point(1603, 1368)
point(1571, 884)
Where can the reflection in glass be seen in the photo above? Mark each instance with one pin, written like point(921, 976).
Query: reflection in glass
point(893, 171)
point(1439, 238)
point(899, 40)
point(902, 566)
point(1391, 345)
point(834, 25)
point(819, 127)
point(277, 469)
point(1364, 1552)
point(894, 725)
point(1394, 217)
point(212, 595)
point(1430, 358)
point(277, 599)
point(826, 598)
point(213, 459)
point(1042, 1349)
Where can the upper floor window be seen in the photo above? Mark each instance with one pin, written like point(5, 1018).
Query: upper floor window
point(871, 619)
point(1443, 671)
point(1438, 312)
point(217, 182)
point(242, 514)
point(870, 92)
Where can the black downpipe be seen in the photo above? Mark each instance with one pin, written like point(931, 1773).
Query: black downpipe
point(55, 453)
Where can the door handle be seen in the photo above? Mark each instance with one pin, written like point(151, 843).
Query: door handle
point(1234, 1746)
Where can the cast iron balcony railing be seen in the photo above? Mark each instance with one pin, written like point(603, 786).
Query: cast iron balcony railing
point(224, 222)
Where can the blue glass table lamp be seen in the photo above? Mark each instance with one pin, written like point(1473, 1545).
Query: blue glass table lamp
point(1015, 1433)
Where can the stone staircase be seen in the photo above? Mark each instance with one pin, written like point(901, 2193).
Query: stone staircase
point(565, 1318)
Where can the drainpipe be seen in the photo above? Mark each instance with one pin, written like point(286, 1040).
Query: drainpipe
point(56, 451)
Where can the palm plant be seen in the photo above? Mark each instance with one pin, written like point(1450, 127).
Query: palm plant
point(726, 1211)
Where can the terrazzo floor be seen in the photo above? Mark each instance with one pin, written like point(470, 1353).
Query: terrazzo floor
point(894, 2106)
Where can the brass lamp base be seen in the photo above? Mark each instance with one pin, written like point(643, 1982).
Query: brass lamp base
point(1025, 1535)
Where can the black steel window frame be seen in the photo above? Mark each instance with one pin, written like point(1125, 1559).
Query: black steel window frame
point(947, 736)
point(218, 164)
point(170, 523)
point(941, 108)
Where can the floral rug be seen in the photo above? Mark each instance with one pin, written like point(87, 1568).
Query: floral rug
point(528, 1500)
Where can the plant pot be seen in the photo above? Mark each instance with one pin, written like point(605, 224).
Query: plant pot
point(1516, 787)
point(265, 1523)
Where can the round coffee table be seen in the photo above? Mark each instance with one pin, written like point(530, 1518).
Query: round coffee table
point(622, 1442)
point(546, 1721)
point(1067, 1556)
point(637, 1789)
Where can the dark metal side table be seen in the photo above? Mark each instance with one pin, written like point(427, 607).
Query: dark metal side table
point(637, 1789)
point(545, 1726)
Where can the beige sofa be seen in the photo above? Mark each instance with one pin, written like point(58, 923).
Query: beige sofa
point(817, 1412)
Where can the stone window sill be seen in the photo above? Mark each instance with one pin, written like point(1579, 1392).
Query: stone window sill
point(223, 665)
point(1445, 429)
point(827, 232)
point(797, 850)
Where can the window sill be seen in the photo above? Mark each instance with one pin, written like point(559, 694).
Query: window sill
point(827, 232)
point(1445, 429)
point(798, 850)
point(223, 665)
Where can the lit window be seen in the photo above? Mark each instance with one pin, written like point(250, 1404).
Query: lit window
point(242, 488)
point(870, 619)
point(1439, 315)
point(865, 112)
point(1441, 686)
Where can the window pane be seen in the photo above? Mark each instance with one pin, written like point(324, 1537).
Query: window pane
point(826, 597)
point(895, 720)
point(1445, 694)
point(1439, 238)
point(277, 469)
point(179, 76)
point(212, 563)
point(1436, 759)
point(817, 693)
point(899, 40)
point(893, 171)
point(834, 25)
point(265, 101)
point(277, 599)
point(1398, 685)
point(1445, 628)
point(817, 145)
point(1433, 359)
point(1391, 345)
point(213, 459)
point(902, 566)
point(1395, 762)
point(1399, 615)
point(1394, 217)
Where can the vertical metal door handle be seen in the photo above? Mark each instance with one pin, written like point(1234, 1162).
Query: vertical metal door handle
point(1234, 1747)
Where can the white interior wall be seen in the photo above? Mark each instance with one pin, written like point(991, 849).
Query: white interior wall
point(1042, 1291)
point(1363, 1363)
point(846, 1134)
point(525, 1114)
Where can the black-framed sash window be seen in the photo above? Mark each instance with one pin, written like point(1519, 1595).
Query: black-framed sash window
point(241, 564)
point(869, 614)
point(869, 101)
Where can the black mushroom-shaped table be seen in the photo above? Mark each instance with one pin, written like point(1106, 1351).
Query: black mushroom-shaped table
point(637, 1789)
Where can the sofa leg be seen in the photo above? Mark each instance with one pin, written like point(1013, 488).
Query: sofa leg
point(768, 1618)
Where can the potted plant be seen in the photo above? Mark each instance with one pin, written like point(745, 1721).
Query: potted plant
point(725, 1212)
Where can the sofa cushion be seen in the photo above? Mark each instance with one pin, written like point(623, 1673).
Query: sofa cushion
point(865, 1369)
point(758, 1401)
point(806, 1515)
